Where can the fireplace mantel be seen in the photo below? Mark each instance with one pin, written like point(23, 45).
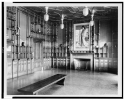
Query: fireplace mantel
point(81, 56)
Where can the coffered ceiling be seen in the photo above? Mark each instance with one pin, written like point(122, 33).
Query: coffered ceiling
point(75, 12)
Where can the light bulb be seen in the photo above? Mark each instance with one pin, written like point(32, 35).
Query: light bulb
point(62, 26)
point(85, 11)
point(93, 11)
point(91, 23)
point(46, 17)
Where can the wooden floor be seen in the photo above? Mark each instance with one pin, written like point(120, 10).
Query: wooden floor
point(81, 83)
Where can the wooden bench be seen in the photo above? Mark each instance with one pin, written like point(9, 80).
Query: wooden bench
point(38, 86)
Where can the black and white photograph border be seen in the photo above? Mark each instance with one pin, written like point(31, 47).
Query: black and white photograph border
point(29, 58)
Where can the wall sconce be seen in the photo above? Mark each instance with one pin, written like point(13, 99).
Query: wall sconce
point(46, 16)
point(62, 25)
point(85, 11)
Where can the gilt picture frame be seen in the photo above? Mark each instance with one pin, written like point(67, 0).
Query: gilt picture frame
point(82, 37)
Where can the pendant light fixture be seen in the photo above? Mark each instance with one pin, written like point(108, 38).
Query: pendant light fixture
point(62, 25)
point(46, 16)
point(92, 21)
point(85, 11)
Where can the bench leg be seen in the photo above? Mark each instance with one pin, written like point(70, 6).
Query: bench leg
point(61, 82)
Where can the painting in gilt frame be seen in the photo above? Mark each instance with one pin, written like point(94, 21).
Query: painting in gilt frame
point(82, 37)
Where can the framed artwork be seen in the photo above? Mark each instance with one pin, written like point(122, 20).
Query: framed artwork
point(82, 37)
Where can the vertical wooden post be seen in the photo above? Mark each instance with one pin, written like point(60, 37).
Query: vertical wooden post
point(56, 46)
point(53, 50)
point(66, 43)
point(98, 47)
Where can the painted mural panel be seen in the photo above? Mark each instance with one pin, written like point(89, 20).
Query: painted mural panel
point(82, 37)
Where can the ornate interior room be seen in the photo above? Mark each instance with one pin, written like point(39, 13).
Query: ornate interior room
point(78, 42)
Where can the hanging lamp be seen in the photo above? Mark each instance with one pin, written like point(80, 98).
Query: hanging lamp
point(92, 21)
point(62, 25)
point(46, 16)
point(85, 11)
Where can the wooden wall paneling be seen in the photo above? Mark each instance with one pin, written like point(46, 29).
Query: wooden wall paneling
point(39, 64)
point(93, 34)
point(109, 51)
point(69, 32)
point(41, 55)
point(43, 28)
point(30, 44)
point(105, 65)
point(47, 63)
point(25, 66)
point(101, 64)
point(72, 32)
point(19, 67)
point(115, 50)
point(15, 64)
point(13, 25)
point(62, 63)
point(46, 67)
point(58, 62)
point(56, 51)
point(66, 25)
point(34, 65)
point(96, 64)
point(52, 53)
point(27, 42)
point(68, 62)
point(50, 62)
point(22, 67)
point(43, 63)
point(53, 45)
point(9, 69)
point(98, 38)
point(96, 32)
point(115, 66)
point(53, 41)
point(72, 42)
point(29, 66)
point(96, 26)
point(54, 63)
point(54, 29)
point(110, 64)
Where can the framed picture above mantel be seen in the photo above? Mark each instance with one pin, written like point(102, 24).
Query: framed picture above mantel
point(82, 37)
